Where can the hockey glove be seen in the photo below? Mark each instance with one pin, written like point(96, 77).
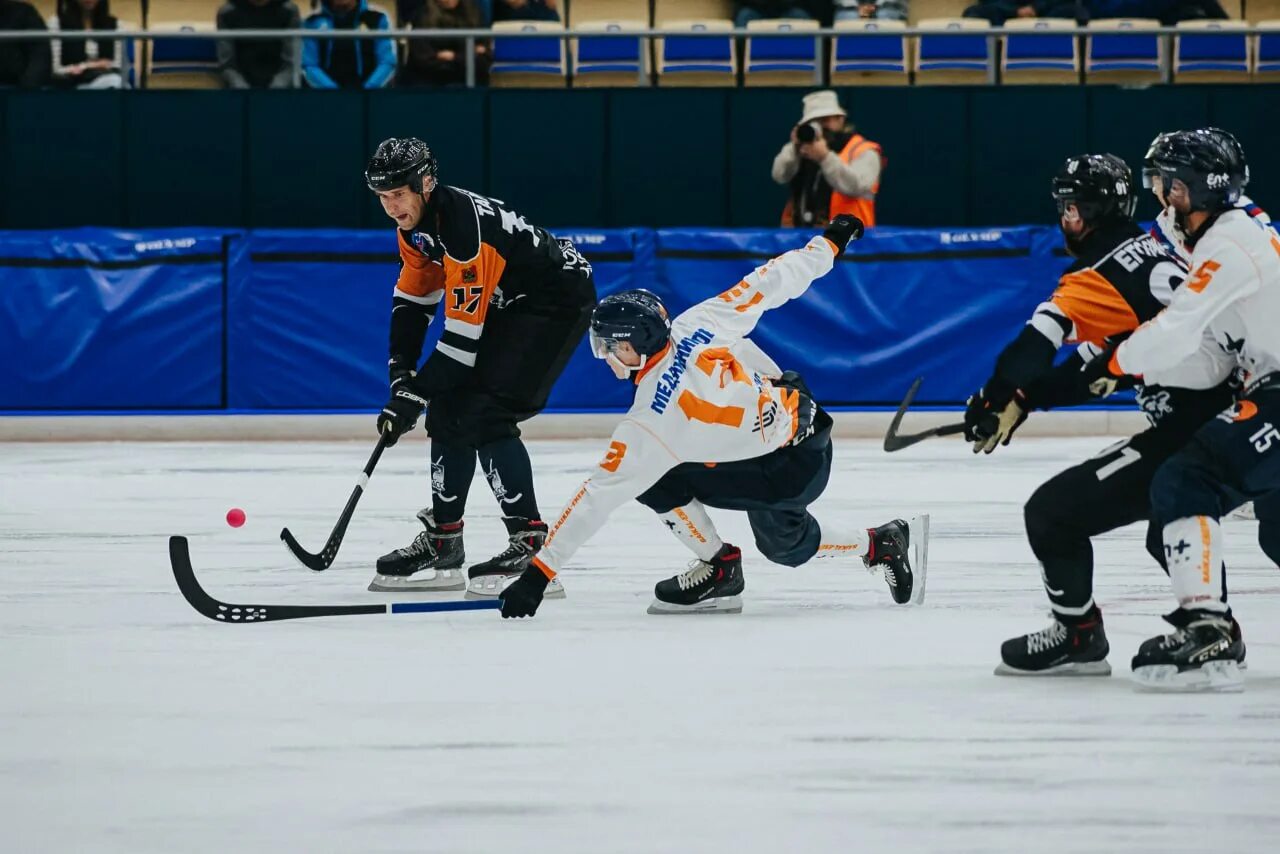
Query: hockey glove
point(401, 412)
point(398, 370)
point(1103, 374)
point(843, 230)
point(991, 420)
point(523, 596)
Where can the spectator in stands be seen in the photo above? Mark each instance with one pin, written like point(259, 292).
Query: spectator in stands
point(442, 62)
point(999, 11)
point(86, 64)
point(257, 64)
point(756, 10)
point(1168, 12)
point(884, 10)
point(830, 168)
point(407, 11)
point(349, 63)
point(525, 10)
point(22, 63)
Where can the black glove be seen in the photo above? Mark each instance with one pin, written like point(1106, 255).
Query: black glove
point(523, 596)
point(843, 230)
point(399, 369)
point(401, 412)
point(993, 415)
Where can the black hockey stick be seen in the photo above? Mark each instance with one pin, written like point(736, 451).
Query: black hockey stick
point(223, 612)
point(895, 441)
point(322, 561)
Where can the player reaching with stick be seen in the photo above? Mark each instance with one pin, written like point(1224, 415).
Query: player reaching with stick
point(716, 423)
point(516, 303)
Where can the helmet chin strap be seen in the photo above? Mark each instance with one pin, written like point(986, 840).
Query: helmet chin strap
point(620, 370)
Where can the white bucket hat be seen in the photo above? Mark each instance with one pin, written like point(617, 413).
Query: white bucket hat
point(820, 105)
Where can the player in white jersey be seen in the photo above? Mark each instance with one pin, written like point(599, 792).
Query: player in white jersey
point(716, 423)
point(1226, 316)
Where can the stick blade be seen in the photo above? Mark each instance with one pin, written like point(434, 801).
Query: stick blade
point(315, 563)
point(892, 442)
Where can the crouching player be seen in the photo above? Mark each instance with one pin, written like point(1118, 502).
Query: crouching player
point(716, 423)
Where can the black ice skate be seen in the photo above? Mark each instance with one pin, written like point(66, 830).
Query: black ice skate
point(901, 550)
point(433, 561)
point(1062, 649)
point(713, 586)
point(1204, 654)
point(486, 580)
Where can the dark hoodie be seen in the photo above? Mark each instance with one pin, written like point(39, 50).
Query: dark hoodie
point(25, 64)
point(254, 63)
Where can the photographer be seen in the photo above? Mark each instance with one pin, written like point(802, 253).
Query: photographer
point(831, 168)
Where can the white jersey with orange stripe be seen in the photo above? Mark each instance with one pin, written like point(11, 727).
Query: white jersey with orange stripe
point(1165, 228)
point(706, 398)
point(1227, 314)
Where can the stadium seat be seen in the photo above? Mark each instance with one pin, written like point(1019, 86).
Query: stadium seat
point(1267, 52)
point(1040, 59)
point(182, 63)
point(1211, 52)
point(697, 61)
point(528, 62)
point(874, 53)
point(782, 60)
point(953, 60)
point(665, 11)
point(1119, 52)
point(616, 61)
point(591, 11)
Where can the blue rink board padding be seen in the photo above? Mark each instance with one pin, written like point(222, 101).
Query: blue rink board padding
point(297, 320)
point(97, 319)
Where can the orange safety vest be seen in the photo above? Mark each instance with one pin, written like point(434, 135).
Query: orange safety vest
point(863, 207)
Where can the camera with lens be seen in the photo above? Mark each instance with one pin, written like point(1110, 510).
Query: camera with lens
point(807, 133)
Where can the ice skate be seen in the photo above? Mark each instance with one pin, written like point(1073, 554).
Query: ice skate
point(901, 550)
point(1062, 649)
point(1203, 654)
point(706, 587)
point(486, 580)
point(433, 561)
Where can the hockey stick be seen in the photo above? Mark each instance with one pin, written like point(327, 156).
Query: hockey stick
point(322, 561)
point(895, 441)
point(180, 558)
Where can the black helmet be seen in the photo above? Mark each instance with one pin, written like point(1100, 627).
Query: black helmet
point(400, 163)
point(636, 316)
point(1099, 185)
point(1209, 162)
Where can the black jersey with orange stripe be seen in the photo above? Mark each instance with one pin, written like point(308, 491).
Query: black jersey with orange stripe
point(1121, 278)
point(476, 255)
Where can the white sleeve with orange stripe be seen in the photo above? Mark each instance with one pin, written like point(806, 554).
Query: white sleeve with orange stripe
point(1222, 273)
point(635, 461)
point(734, 313)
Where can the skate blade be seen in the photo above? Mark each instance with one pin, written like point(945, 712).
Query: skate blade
point(718, 605)
point(489, 586)
point(919, 527)
point(428, 579)
point(1219, 676)
point(1071, 668)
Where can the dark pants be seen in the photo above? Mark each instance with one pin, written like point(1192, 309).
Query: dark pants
point(1268, 512)
point(1101, 494)
point(522, 354)
point(775, 490)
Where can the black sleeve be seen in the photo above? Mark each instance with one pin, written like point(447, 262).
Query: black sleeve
point(409, 322)
point(1026, 359)
point(1062, 386)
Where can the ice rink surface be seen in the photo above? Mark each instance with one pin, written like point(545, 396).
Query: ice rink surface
point(823, 718)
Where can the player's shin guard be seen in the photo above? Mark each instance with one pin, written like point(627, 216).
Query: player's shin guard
point(510, 474)
point(1194, 551)
point(694, 528)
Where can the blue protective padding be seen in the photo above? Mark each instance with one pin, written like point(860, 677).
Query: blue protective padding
point(941, 304)
point(99, 319)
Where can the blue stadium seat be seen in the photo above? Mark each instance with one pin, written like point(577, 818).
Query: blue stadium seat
point(1120, 52)
point(708, 60)
point(183, 63)
point(873, 52)
point(1040, 58)
point(615, 61)
point(528, 62)
point(1267, 66)
point(1211, 52)
point(953, 59)
point(781, 60)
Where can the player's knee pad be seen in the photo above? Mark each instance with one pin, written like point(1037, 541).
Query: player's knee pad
point(1183, 487)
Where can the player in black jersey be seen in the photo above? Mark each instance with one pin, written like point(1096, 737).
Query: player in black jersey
point(1121, 278)
point(516, 303)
